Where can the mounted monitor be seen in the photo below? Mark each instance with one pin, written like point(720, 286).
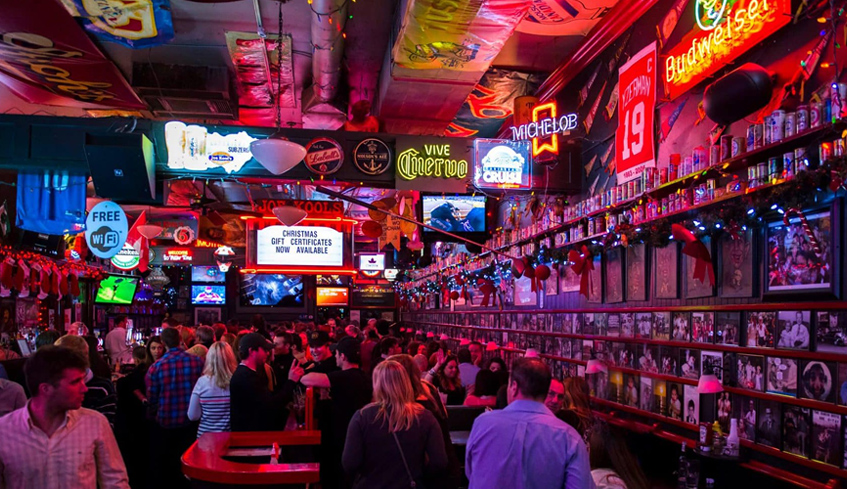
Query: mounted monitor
point(271, 290)
point(371, 262)
point(116, 289)
point(207, 274)
point(333, 296)
point(459, 214)
point(208, 294)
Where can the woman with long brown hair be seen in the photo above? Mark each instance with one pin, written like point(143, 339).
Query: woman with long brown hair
point(613, 466)
point(445, 376)
point(576, 406)
point(393, 442)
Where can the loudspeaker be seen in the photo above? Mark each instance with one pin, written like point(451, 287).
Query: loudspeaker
point(122, 166)
point(738, 94)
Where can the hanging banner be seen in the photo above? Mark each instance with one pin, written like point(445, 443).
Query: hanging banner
point(563, 17)
point(47, 59)
point(106, 229)
point(634, 145)
point(133, 23)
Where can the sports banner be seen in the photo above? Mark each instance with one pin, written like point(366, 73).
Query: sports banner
point(635, 148)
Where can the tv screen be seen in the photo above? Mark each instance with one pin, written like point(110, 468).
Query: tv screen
point(116, 289)
point(372, 261)
point(271, 290)
point(332, 296)
point(457, 214)
point(208, 294)
point(207, 274)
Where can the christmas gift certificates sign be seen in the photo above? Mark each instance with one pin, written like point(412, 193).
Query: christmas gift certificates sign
point(634, 145)
point(299, 246)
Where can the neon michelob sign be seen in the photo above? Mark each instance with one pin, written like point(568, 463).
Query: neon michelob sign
point(725, 30)
point(546, 123)
point(432, 161)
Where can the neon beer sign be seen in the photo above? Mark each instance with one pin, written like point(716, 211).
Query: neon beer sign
point(432, 161)
point(546, 123)
point(725, 30)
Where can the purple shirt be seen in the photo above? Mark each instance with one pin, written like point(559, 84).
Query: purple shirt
point(526, 447)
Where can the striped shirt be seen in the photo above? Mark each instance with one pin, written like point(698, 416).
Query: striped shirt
point(210, 404)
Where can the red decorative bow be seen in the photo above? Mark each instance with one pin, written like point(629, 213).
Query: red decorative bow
point(695, 248)
point(487, 290)
point(582, 266)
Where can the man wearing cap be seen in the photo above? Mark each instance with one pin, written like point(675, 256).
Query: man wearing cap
point(252, 406)
point(349, 390)
point(319, 348)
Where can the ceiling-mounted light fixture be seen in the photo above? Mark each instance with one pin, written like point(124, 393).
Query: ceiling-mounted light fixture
point(289, 215)
point(149, 231)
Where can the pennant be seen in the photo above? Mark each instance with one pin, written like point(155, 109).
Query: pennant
point(695, 248)
point(670, 21)
point(612, 106)
point(5, 225)
point(585, 90)
point(589, 119)
point(390, 231)
point(591, 163)
point(668, 124)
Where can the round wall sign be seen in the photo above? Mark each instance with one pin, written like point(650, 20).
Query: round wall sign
point(324, 156)
point(106, 229)
point(372, 156)
point(127, 259)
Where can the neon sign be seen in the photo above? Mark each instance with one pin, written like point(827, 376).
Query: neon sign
point(726, 30)
point(181, 255)
point(502, 164)
point(545, 124)
point(433, 161)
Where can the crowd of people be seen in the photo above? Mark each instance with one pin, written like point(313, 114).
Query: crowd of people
point(383, 400)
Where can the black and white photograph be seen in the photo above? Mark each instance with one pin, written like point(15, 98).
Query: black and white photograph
point(643, 325)
point(760, 329)
point(601, 323)
point(793, 329)
point(727, 328)
point(744, 410)
point(675, 400)
point(703, 327)
point(711, 362)
point(782, 376)
point(737, 275)
point(648, 358)
point(631, 390)
point(689, 363)
point(636, 272)
point(645, 397)
point(669, 360)
point(627, 324)
point(692, 404)
point(817, 381)
point(796, 430)
point(614, 276)
point(831, 331)
point(826, 437)
point(797, 262)
point(588, 326)
point(694, 287)
point(661, 325)
point(613, 325)
point(769, 423)
point(681, 330)
point(750, 370)
point(666, 271)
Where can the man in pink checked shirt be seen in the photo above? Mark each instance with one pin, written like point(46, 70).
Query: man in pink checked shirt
point(54, 442)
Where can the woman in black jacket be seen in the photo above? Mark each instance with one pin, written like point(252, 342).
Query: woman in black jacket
point(394, 440)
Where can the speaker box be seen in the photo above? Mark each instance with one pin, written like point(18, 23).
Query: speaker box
point(122, 166)
point(738, 94)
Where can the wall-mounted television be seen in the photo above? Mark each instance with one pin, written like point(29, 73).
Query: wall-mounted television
point(208, 294)
point(372, 262)
point(333, 296)
point(454, 214)
point(271, 290)
point(116, 289)
point(207, 274)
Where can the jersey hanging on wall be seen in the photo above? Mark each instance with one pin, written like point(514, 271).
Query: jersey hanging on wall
point(634, 143)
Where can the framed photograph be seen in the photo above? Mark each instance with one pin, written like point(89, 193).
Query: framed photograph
point(693, 287)
point(842, 384)
point(660, 390)
point(818, 380)
point(794, 264)
point(831, 331)
point(692, 404)
point(576, 350)
point(676, 399)
point(689, 363)
point(737, 265)
point(643, 325)
point(760, 329)
point(744, 410)
point(623, 355)
point(782, 376)
point(727, 328)
point(724, 409)
point(601, 323)
point(632, 383)
point(826, 437)
point(769, 431)
point(595, 281)
point(792, 329)
point(524, 295)
point(681, 330)
point(588, 326)
point(712, 362)
point(796, 430)
point(613, 325)
point(648, 358)
point(645, 397)
point(628, 324)
point(616, 393)
point(599, 385)
point(568, 279)
point(750, 371)
point(636, 272)
point(666, 272)
point(669, 359)
point(661, 326)
point(207, 315)
point(614, 276)
point(703, 327)
point(551, 285)
point(587, 348)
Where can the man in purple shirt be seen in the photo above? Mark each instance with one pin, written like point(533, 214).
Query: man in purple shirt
point(525, 446)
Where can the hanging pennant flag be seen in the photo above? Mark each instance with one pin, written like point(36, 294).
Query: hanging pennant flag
point(670, 21)
point(634, 142)
point(668, 123)
point(590, 165)
point(390, 231)
point(132, 23)
point(589, 119)
point(613, 62)
point(585, 90)
point(613, 102)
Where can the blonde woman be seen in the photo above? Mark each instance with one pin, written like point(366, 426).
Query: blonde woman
point(393, 441)
point(210, 398)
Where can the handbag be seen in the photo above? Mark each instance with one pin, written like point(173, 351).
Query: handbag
point(406, 465)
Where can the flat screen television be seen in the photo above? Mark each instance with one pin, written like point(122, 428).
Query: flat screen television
point(271, 290)
point(116, 289)
point(454, 214)
point(333, 296)
point(372, 262)
point(207, 274)
point(208, 294)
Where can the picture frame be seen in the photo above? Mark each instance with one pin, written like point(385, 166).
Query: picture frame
point(727, 328)
point(793, 330)
point(831, 331)
point(207, 315)
point(693, 287)
point(760, 329)
point(595, 282)
point(551, 285)
point(818, 380)
point(666, 272)
point(793, 265)
point(636, 272)
point(568, 279)
point(524, 295)
point(737, 265)
point(613, 272)
point(782, 376)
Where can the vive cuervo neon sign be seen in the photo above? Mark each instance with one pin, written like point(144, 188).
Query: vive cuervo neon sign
point(545, 127)
point(434, 161)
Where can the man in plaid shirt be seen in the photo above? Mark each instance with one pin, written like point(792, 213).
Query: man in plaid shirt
point(170, 382)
